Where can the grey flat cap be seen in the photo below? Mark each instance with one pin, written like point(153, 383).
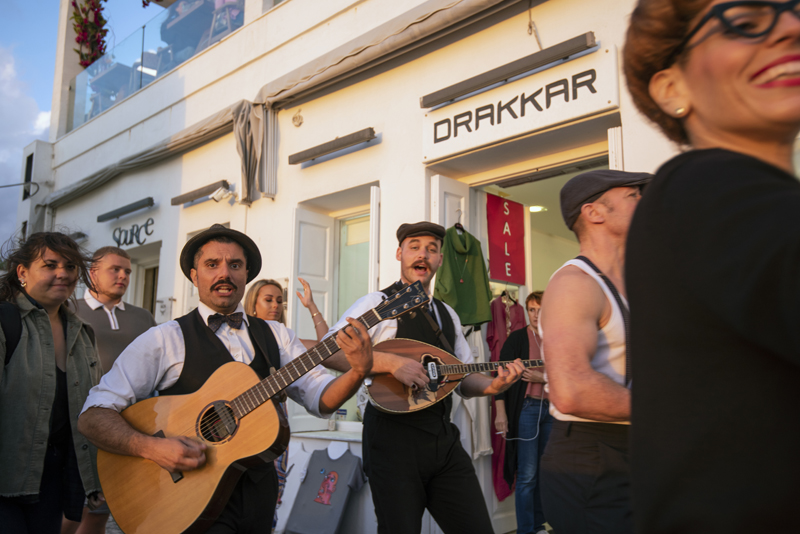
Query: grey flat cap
point(589, 186)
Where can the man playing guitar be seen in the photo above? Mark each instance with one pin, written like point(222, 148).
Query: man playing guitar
point(177, 357)
point(415, 460)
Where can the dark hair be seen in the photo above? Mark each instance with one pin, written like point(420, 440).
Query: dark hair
point(534, 295)
point(29, 250)
point(218, 239)
point(655, 34)
point(102, 252)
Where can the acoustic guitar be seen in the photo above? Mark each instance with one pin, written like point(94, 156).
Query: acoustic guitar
point(444, 371)
point(232, 414)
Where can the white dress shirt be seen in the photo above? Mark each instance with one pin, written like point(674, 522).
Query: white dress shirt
point(112, 315)
point(388, 329)
point(154, 361)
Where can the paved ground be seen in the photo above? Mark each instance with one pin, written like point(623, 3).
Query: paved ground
point(111, 527)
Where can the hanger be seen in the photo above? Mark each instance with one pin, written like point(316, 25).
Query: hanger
point(458, 223)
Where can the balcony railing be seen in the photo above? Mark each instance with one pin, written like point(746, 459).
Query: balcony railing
point(169, 39)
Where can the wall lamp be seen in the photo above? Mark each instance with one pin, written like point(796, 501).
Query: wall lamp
point(78, 237)
point(217, 191)
point(124, 210)
point(528, 63)
point(340, 143)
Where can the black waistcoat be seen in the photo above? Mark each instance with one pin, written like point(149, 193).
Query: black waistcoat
point(205, 352)
point(415, 326)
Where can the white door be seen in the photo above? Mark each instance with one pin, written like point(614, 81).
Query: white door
point(449, 201)
point(312, 261)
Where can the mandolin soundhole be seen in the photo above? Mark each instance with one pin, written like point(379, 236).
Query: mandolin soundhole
point(217, 423)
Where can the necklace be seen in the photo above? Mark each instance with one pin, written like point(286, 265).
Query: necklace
point(464, 268)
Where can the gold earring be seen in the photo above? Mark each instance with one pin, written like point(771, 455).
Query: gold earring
point(680, 112)
point(23, 283)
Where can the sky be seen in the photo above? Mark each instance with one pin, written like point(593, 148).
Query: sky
point(27, 65)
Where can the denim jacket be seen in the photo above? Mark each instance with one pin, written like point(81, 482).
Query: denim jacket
point(27, 391)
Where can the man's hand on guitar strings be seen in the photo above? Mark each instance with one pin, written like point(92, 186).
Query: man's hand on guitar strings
point(354, 340)
point(507, 375)
point(411, 373)
point(177, 454)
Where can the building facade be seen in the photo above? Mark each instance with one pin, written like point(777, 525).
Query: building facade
point(317, 128)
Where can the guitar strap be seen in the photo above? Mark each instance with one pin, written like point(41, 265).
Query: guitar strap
point(626, 315)
point(437, 331)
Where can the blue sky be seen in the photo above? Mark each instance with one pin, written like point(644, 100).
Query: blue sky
point(27, 64)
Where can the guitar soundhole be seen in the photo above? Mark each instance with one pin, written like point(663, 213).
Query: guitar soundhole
point(217, 424)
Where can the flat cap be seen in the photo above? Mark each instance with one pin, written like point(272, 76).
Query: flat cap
point(217, 230)
point(589, 186)
point(418, 229)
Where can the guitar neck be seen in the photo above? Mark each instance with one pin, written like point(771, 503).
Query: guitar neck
point(286, 375)
point(466, 368)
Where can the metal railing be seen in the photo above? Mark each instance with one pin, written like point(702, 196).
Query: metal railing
point(183, 30)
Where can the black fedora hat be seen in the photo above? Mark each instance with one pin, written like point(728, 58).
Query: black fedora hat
point(193, 245)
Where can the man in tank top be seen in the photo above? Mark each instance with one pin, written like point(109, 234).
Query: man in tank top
point(585, 482)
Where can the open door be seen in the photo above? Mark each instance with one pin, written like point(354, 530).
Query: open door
point(312, 260)
point(449, 201)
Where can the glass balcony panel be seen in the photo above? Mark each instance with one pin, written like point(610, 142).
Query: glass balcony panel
point(166, 41)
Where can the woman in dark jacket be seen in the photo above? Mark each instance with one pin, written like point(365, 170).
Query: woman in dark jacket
point(50, 363)
point(523, 416)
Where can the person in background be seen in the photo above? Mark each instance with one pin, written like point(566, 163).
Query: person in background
point(523, 417)
point(264, 300)
point(116, 324)
point(713, 260)
point(50, 363)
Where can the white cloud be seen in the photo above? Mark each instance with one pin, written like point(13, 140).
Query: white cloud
point(23, 122)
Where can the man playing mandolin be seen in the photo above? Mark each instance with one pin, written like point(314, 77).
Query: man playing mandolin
point(177, 357)
point(415, 460)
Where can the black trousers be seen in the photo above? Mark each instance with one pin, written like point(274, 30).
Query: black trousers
point(40, 514)
point(410, 470)
point(251, 507)
point(586, 479)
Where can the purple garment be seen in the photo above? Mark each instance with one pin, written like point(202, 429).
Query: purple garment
point(502, 324)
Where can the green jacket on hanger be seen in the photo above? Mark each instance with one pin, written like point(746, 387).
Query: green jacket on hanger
point(462, 281)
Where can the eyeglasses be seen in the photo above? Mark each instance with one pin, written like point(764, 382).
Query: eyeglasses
point(748, 18)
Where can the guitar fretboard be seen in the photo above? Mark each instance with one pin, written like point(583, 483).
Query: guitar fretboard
point(403, 301)
point(465, 368)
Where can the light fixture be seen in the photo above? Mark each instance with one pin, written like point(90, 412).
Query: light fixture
point(124, 210)
point(538, 59)
point(537, 209)
point(340, 143)
point(212, 189)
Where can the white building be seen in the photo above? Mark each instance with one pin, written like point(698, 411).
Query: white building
point(333, 122)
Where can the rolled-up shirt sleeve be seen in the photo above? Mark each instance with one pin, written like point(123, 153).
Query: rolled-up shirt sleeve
point(153, 361)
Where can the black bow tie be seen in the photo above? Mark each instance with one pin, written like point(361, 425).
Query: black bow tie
point(234, 320)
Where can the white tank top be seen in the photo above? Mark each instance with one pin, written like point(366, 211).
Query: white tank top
point(609, 357)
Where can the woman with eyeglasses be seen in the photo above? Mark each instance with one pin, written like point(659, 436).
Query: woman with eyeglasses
point(713, 269)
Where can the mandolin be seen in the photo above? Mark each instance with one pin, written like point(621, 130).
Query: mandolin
point(444, 370)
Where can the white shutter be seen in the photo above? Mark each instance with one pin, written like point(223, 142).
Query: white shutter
point(313, 261)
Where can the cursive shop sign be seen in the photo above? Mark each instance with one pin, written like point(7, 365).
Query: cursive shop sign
point(579, 88)
point(135, 235)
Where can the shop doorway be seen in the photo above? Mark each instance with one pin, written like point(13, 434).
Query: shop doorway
point(143, 289)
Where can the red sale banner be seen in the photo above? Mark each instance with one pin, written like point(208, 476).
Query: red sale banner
point(506, 223)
